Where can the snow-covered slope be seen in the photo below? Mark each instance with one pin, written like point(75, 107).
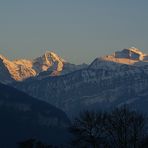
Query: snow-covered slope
point(14, 70)
point(130, 56)
point(48, 61)
point(105, 83)
point(49, 64)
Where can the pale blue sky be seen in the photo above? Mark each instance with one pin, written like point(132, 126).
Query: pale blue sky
point(77, 30)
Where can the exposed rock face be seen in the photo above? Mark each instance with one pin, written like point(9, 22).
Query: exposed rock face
point(5, 75)
point(130, 56)
point(131, 53)
point(48, 60)
point(15, 70)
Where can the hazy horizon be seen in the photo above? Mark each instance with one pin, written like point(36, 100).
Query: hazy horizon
point(78, 31)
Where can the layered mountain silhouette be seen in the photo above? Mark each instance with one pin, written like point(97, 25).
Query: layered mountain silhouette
point(48, 85)
point(23, 117)
point(107, 82)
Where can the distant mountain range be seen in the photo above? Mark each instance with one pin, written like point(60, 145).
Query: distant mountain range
point(48, 64)
point(23, 117)
point(51, 85)
point(108, 81)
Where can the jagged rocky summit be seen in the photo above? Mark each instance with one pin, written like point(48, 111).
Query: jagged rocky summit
point(49, 64)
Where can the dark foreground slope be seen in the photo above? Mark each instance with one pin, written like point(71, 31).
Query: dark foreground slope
point(23, 117)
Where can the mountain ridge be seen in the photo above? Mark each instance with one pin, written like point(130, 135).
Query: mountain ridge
point(102, 82)
point(21, 69)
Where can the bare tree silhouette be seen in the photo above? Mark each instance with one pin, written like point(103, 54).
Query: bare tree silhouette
point(125, 128)
point(88, 130)
point(120, 128)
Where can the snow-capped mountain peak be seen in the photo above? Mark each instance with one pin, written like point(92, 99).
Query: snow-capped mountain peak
point(128, 56)
point(136, 50)
point(49, 64)
point(131, 53)
point(50, 55)
point(2, 57)
point(48, 61)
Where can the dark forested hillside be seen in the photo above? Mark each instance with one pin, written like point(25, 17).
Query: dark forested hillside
point(23, 117)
